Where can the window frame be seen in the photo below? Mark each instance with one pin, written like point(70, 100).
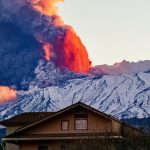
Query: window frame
point(62, 125)
point(84, 116)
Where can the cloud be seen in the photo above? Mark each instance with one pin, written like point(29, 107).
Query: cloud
point(123, 67)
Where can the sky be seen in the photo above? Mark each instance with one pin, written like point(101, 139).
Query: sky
point(111, 30)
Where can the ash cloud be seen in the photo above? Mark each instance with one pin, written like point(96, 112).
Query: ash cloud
point(17, 55)
point(25, 26)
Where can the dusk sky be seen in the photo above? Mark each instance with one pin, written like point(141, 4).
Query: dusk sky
point(111, 30)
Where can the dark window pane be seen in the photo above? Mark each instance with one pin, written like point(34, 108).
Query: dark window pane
point(80, 115)
point(43, 148)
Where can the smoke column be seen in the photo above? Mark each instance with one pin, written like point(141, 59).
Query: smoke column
point(68, 50)
point(31, 30)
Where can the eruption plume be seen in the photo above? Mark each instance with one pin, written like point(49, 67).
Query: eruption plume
point(72, 53)
point(29, 31)
point(67, 48)
point(47, 7)
point(6, 94)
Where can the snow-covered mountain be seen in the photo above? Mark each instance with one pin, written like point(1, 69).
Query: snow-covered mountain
point(123, 96)
point(28, 34)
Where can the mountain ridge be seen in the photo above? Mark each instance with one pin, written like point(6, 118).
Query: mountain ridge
point(123, 96)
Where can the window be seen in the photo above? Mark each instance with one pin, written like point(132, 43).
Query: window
point(81, 121)
point(63, 147)
point(81, 124)
point(65, 125)
point(43, 147)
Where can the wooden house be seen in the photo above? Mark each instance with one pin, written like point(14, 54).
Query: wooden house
point(78, 123)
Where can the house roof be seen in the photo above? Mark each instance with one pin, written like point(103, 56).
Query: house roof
point(109, 117)
point(52, 115)
point(56, 136)
point(26, 118)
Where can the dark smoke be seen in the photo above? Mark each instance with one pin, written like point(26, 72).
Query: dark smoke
point(23, 33)
point(18, 54)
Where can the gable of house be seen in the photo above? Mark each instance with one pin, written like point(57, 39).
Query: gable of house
point(93, 122)
point(78, 118)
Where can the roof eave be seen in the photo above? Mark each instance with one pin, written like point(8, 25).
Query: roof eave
point(60, 138)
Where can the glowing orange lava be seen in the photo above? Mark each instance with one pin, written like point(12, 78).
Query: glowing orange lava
point(72, 53)
point(7, 94)
point(68, 50)
point(47, 51)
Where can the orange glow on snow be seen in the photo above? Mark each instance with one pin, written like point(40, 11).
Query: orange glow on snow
point(47, 51)
point(7, 94)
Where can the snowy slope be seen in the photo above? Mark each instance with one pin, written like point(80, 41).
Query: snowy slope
point(123, 96)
